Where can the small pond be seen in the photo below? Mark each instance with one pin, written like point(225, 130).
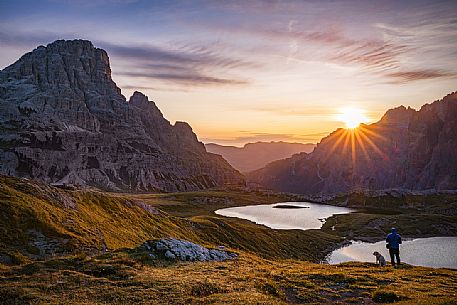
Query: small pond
point(286, 215)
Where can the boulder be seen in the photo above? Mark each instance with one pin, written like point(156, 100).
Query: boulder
point(182, 250)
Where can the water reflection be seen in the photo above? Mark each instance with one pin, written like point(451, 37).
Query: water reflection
point(430, 252)
point(309, 216)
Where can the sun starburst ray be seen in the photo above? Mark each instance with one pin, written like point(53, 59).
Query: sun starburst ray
point(361, 144)
point(372, 133)
point(372, 144)
point(353, 151)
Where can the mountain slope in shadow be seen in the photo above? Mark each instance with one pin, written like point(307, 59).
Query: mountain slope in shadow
point(406, 149)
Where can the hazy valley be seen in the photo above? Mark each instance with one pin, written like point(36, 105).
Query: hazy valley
point(254, 156)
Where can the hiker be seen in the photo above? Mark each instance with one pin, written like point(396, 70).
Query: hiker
point(393, 241)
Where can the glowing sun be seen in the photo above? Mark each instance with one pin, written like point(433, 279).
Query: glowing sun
point(352, 117)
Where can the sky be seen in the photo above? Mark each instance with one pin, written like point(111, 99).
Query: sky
point(247, 71)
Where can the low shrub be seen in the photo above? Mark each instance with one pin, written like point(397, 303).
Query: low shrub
point(381, 296)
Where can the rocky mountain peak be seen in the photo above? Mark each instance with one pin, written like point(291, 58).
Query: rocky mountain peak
point(183, 127)
point(398, 116)
point(72, 63)
point(442, 107)
point(77, 47)
point(186, 136)
point(70, 79)
point(138, 98)
point(66, 121)
point(141, 101)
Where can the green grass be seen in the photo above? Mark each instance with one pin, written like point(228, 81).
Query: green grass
point(373, 227)
point(202, 203)
point(90, 221)
point(441, 203)
point(274, 266)
point(415, 216)
point(73, 221)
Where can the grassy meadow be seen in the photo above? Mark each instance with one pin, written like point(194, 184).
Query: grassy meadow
point(62, 246)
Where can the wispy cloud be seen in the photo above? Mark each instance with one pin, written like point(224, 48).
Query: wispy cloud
point(185, 65)
point(276, 61)
point(422, 39)
point(335, 47)
point(376, 56)
point(185, 79)
point(182, 65)
point(408, 76)
point(152, 88)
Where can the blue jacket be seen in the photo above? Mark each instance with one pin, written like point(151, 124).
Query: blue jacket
point(394, 240)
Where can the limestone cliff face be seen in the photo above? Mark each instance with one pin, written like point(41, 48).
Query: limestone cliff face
point(408, 149)
point(64, 120)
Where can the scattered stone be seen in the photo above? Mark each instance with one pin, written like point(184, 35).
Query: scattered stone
point(169, 255)
point(42, 246)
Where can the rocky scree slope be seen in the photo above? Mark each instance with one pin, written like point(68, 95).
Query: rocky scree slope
point(63, 120)
point(406, 149)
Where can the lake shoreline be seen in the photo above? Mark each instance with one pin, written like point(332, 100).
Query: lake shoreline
point(193, 205)
point(362, 232)
point(304, 215)
point(433, 252)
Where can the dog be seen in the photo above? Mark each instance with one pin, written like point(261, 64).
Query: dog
point(380, 260)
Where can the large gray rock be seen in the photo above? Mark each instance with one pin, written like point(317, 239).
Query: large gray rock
point(406, 149)
point(63, 120)
point(175, 249)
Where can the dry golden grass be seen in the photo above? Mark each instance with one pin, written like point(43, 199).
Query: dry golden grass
point(270, 270)
point(120, 279)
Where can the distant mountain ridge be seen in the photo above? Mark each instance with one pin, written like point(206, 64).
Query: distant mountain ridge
point(253, 156)
point(406, 149)
point(63, 120)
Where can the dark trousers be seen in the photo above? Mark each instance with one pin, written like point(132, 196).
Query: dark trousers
point(394, 253)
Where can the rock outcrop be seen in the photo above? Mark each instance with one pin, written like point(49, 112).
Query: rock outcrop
point(406, 149)
point(182, 250)
point(63, 120)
